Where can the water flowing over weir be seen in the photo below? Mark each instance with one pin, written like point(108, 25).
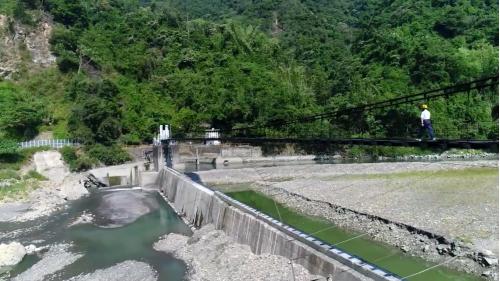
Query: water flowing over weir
point(200, 205)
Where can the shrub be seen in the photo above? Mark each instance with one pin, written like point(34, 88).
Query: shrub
point(83, 163)
point(108, 155)
point(77, 163)
point(130, 139)
point(8, 146)
point(69, 156)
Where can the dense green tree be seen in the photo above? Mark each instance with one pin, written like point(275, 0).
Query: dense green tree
point(21, 113)
point(130, 65)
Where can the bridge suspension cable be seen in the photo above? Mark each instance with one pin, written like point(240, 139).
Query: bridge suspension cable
point(482, 83)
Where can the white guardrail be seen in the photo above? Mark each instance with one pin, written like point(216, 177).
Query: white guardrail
point(55, 143)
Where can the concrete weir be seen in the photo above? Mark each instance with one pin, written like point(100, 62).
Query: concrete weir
point(200, 205)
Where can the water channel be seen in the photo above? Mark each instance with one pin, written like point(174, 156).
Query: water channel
point(387, 257)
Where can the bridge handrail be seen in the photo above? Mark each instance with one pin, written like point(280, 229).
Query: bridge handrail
point(53, 143)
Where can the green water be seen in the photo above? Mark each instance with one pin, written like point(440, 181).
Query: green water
point(103, 247)
point(384, 256)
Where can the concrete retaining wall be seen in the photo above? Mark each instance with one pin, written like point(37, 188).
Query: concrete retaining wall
point(200, 205)
point(192, 200)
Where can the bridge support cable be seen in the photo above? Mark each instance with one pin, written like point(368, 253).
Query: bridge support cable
point(446, 93)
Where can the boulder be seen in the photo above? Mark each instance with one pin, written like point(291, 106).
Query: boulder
point(442, 249)
point(11, 254)
point(425, 248)
point(486, 273)
point(487, 261)
point(30, 249)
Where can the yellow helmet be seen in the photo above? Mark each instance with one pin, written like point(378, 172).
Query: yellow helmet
point(423, 106)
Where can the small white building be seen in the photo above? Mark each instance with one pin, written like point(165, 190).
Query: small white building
point(212, 137)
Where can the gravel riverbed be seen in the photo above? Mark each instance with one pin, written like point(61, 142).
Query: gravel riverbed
point(435, 210)
point(213, 256)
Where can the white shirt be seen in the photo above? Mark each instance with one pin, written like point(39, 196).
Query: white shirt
point(426, 115)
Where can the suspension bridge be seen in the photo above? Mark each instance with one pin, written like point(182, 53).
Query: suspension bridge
point(324, 128)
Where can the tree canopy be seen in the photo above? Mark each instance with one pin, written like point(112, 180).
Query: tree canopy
point(130, 65)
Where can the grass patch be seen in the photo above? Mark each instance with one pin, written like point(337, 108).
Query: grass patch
point(8, 174)
point(458, 173)
point(18, 190)
point(363, 151)
point(468, 172)
point(34, 175)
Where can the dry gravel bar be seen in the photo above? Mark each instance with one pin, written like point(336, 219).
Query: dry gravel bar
point(430, 209)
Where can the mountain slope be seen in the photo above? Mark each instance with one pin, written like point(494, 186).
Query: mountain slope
point(123, 67)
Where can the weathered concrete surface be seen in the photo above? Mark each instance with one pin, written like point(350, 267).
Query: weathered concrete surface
point(118, 170)
point(127, 270)
point(51, 165)
point(201, 206)
point(265, 239)
point(193, 201)
point(125, 174)
point(455, 200)
point(148, 179)
point(214, 256)
point(54, 260)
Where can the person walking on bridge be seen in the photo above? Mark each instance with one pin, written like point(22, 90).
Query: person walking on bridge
point(425, 122)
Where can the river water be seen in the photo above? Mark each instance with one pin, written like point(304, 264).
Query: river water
point(126, 224)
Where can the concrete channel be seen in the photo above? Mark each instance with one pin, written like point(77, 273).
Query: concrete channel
point(200, 205)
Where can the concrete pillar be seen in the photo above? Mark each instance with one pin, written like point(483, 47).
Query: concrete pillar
point(136, 175)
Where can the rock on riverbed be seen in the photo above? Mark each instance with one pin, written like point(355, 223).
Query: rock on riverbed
point(54, 260)
point(127, 270)
point(11, 254)
point(213, 256)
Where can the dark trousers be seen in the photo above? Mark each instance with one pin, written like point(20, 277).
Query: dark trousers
point(427, 126)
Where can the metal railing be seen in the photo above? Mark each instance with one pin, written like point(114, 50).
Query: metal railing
point(53, 143)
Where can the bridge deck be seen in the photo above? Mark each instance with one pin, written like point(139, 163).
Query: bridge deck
point(440, 143)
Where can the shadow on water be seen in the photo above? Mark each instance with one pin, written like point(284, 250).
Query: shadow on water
point(103, 247)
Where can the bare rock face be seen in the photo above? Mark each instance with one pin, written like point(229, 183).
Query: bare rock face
point(37, 43)
point(22, 45)
point(11, 254)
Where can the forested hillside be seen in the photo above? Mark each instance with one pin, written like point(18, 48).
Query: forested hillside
point(126, 66)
